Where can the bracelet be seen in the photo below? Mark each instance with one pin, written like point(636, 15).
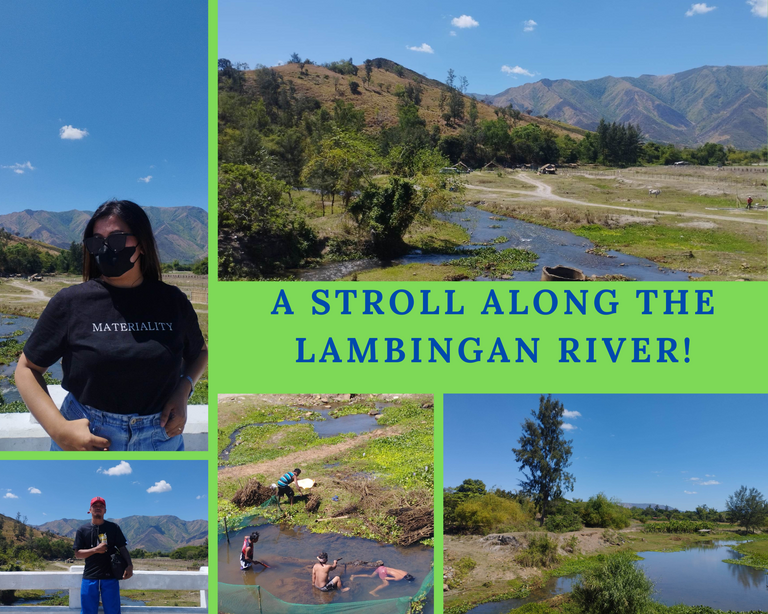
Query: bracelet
point(191, 383)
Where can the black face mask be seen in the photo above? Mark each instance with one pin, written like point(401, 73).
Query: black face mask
point(115, 263)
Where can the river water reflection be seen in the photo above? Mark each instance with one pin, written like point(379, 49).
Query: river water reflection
point(695, 576)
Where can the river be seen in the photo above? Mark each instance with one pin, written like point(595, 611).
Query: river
point(554, 247)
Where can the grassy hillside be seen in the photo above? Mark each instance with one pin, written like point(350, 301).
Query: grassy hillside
point(379, 100)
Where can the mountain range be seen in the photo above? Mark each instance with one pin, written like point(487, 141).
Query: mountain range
point(152, 533)
point(181, 232)
point(718, 104)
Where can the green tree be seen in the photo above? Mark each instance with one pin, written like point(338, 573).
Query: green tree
point(387, 212)
point(544, 455)
point(471, 486)
point(258, 229)
point(747, 508)
point(295, 59)
point(368, 70)
point(200, 267)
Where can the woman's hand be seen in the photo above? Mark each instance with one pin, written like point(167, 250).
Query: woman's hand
point(174, 414)
point(75, 436)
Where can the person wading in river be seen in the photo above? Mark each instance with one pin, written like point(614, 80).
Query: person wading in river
point(386, 575)
point(320, 572)
point(246, 554)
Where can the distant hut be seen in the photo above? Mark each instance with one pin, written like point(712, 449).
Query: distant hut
point(493, 166)
point(461, 167)
point(547, 169)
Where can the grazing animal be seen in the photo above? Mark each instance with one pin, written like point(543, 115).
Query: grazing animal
point(654, 193)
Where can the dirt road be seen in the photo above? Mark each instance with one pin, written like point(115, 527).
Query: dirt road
point(277, 466)
point(544, 192)
point(37, 294)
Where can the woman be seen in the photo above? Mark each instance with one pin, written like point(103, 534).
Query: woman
point(131, 346)
point(386, 575)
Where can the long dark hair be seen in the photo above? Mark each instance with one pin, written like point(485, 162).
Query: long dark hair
point(138, 222)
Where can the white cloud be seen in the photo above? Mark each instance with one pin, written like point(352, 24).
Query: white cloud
point(700, 8)
point(516, 70)
point(569, 427)
point(709, 483)
point(689, 492)
point(465, 21)
point(452, 33)
point(122, 469)
point(200, 497)
point(529, 25)
point(9, 495)
point(161, 486)
point(707, 475)
point(70, 133)
point(19, 168)
point(759, 7)
point(571, 414)
point(34, 491)
point(146, 179)
point(424, 48)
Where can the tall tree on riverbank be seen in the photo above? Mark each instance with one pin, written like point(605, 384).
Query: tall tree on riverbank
point(544, 455)
point(747, 508)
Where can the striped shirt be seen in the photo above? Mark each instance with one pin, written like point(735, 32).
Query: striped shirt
point(285, 480)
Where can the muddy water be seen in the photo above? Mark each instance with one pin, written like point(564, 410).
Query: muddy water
point(356, 423)
point(290, 554)
point(696, 576)
point(553, 247)
point(8, 325)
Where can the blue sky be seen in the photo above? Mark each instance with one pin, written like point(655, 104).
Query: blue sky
point(50, 490)
point(102, 100)
point(678, 450)
point(567, 39)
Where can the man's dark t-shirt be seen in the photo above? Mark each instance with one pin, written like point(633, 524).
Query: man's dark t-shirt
point(99, 566)
point(123, 349)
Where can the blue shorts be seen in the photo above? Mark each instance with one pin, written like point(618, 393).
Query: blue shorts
point(126, 432)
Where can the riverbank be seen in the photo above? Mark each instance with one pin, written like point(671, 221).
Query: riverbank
point(481, 570)
point(376, 483)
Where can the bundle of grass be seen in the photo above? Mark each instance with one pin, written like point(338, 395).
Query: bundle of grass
point(615, 586)
point(540, 552)
point(313, 503)
point(252, 494)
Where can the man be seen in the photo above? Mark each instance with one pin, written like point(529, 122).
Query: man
point(246, 553)
point(320, 573)
point(284, 484)
point(96, 542)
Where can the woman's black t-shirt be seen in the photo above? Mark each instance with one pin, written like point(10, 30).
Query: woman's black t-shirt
point(123, 349)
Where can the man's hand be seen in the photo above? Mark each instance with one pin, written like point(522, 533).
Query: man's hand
point(75, 436)
point(128, 572)
point(174, 414)
point(100, 549)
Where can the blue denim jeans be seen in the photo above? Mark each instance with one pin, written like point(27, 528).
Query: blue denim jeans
point(126, 432)
point(89, 596)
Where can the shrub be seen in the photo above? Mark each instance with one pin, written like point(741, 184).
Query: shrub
point(562, 523)
point(615, 586)
point(677, 526)
point(541, 551)
point(354, 87)
point(600, 511)
point(485, 513)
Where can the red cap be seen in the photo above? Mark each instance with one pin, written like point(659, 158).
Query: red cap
point(98, 500)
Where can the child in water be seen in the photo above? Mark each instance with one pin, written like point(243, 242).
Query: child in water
point(320, 572)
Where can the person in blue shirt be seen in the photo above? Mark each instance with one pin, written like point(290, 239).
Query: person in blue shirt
point(284, 484)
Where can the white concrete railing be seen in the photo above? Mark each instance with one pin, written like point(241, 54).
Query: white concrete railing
point(21, 432)
point(141, 580)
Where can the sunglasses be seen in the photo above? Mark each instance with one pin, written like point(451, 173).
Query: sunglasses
point(115, 242)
